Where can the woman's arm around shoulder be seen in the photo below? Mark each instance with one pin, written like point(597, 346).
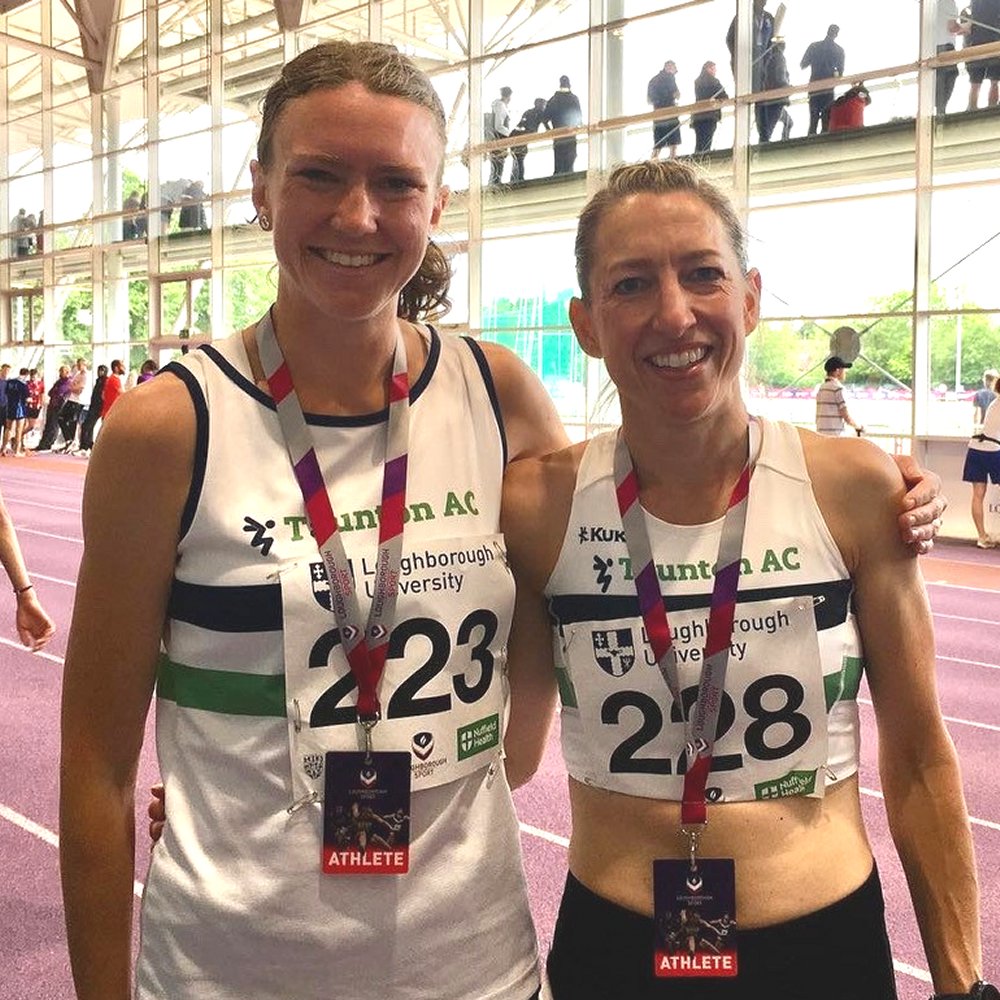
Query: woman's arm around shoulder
point(529, 415)
point(859, 489)
point(536, 503)
point(136, 488)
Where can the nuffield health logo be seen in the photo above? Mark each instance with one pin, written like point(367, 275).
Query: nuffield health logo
point(478, 736)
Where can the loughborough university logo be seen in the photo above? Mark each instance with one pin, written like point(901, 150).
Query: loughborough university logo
point(614, 650)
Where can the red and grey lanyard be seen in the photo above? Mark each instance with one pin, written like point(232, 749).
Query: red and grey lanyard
point(700, 729)
point(366, 647)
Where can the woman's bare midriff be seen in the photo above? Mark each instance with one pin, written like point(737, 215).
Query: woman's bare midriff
point(793, 855)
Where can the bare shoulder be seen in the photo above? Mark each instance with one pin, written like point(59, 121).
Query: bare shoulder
point(537, 497)
point(532, 424)
point(858, 488)
point(146, 447)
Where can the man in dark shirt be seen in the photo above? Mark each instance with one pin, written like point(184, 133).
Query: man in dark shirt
point(562, 111)
point(531, 121)
point(761, 35)
point(825, 60)
point(662, 92)
point(984, 29)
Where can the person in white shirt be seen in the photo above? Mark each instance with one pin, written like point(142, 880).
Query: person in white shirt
point(831, 410)
point(946, 27)
point(500, 125)
point(72, 412)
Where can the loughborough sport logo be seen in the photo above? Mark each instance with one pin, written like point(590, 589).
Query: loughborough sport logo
point(614, 650)
point(422, 745)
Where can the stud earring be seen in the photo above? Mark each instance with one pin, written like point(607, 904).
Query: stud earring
point(265, 222)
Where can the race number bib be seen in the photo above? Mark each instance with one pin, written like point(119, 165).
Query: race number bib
point(443, 694)
point(771, 739)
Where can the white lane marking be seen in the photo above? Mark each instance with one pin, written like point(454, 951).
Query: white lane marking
point(52, 579)
point(41, 654)
point(45, 506)
point(974, 820)
point(959, 586)
point(962, 618)
point(970, 663)
point(42, 833)
point(48, 534)
point(951, 718)
point(552, 838)
point(912, 970)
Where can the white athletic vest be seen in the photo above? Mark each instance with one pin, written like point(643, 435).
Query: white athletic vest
point(235, 905)
point(789, 720)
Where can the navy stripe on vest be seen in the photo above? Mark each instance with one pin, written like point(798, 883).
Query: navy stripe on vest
point(254, 608)
point(830, 603)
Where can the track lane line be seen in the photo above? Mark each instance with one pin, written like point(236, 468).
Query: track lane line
point(45, 506)
point(970, 663)
point(949, 718)
point(45, 834)
point(962, 618)
point(41, 654)
point(48, 534)
point(874, 793)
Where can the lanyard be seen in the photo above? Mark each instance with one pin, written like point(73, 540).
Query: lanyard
point(365, 648)
point(700, 729)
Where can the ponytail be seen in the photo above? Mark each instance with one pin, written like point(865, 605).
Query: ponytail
point(426, 293)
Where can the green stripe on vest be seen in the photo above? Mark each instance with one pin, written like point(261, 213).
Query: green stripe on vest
point(221, 690)
point(844, 685)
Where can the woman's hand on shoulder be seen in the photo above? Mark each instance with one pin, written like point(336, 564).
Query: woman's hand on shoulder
point(533, 427)
point(923, 505)
point(860, 492)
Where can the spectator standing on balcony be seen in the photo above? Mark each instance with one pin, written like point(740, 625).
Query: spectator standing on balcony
point(531, 121)
point(984, 29)
point(704, 123)
point(662, 92)
point(946, 27)
point(563, 111)
point(499, 128)
point(761, 36)
point(19, 226)
point(831, 410)
point(825, 61)
point(775, 77)
point(192, 207)
point(130, 220)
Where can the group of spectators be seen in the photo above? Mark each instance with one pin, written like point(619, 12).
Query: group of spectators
point(190, 202)
point(978, 24)
point(561, 110)
point(27, 232)
point(69, 412)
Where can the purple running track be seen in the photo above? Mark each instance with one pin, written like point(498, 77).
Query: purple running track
point(44, 494)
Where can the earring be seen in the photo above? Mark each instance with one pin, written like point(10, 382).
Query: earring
point(265, 222)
